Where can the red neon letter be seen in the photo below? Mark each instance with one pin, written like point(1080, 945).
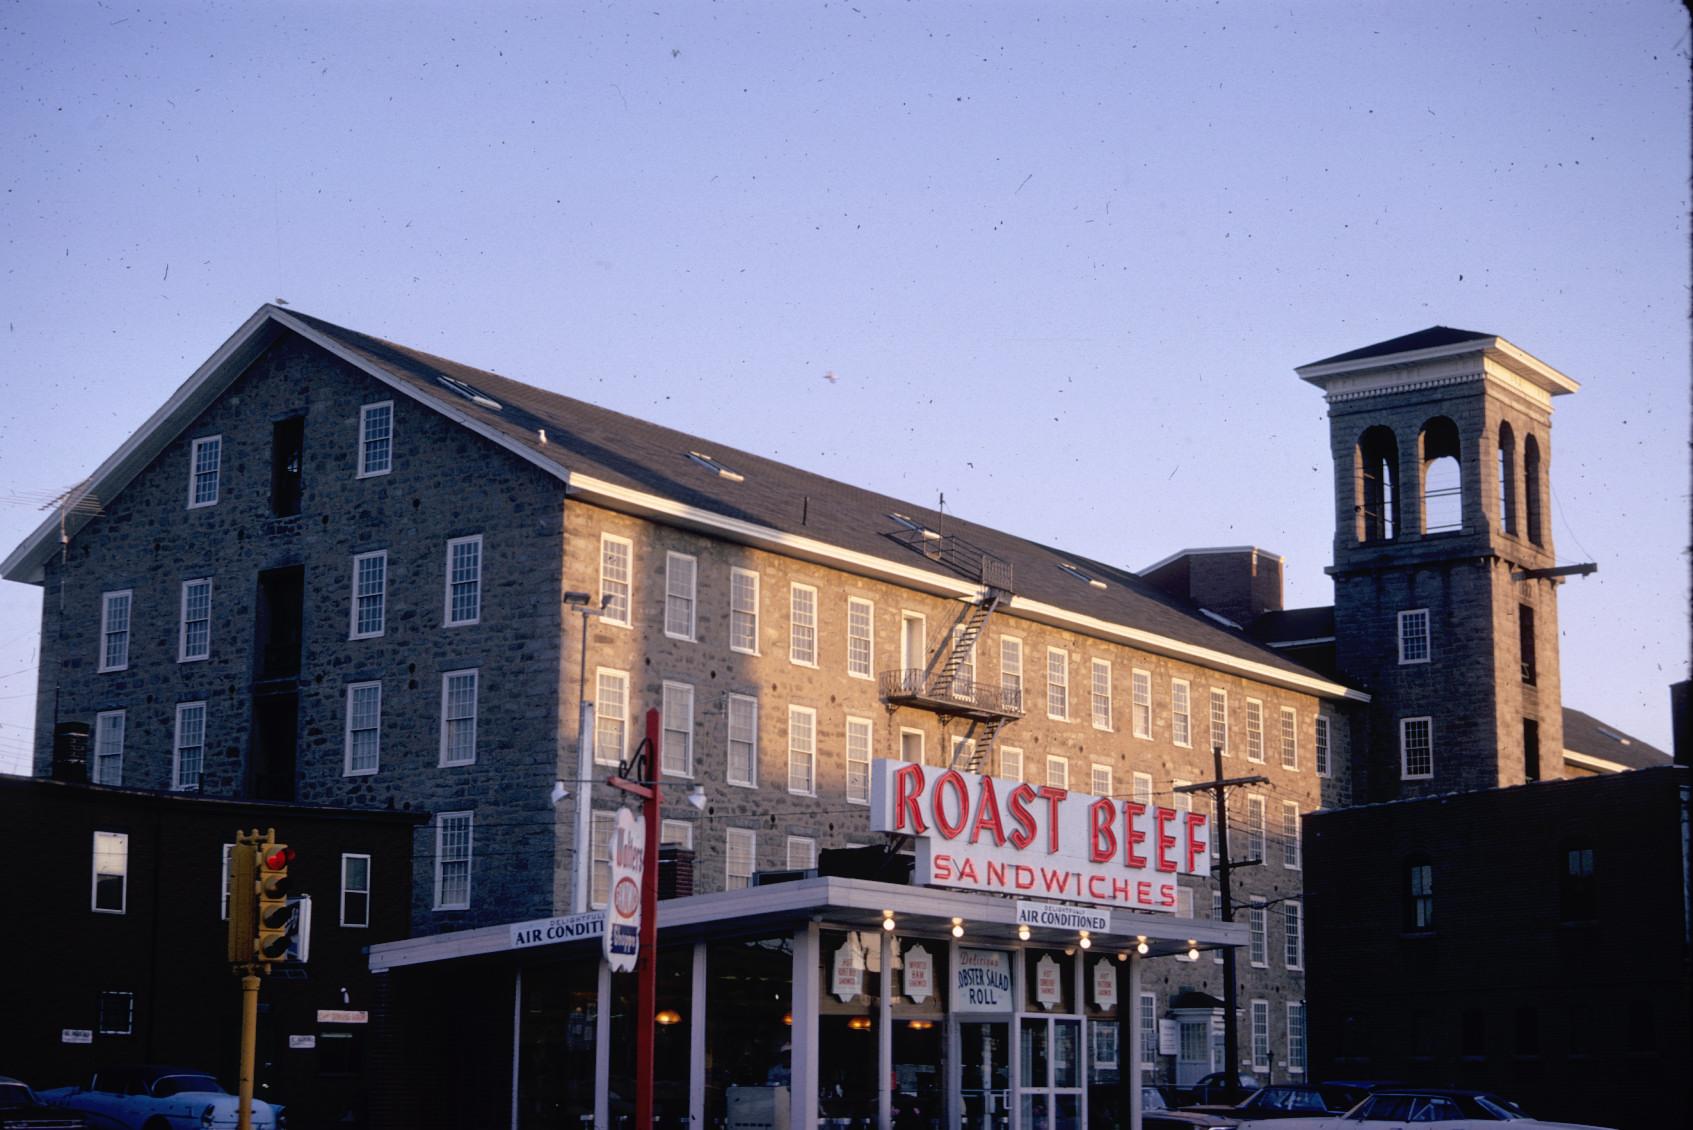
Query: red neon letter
point(908, 787)
point(987, 815)
point(1024, 835)
point(1052, 797)
point(1102, 844)
point(1195, 846)
point(1165, 840)
point(950, 781)
point(1133, 837)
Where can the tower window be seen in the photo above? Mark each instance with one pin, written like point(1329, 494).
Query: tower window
point(1531, 750)
point(1578, 889)
point(287, 440)
point(1419, 895)
point(1416, 748)
point(1507, 479)
point(1375, 503)
point(1443, 480)
point(1413, 636)
point(1525, 640)
point(1531, 488)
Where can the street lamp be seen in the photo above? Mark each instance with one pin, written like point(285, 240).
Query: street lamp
point(582, 602)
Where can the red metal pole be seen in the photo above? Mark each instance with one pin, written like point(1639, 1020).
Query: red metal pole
point(646, 967)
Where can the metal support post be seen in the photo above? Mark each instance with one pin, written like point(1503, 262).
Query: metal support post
point(249, 1045)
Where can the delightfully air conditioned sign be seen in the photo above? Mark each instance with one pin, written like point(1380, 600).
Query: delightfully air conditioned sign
point(1007, 837)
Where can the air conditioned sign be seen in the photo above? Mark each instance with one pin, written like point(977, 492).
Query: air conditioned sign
point(1006, 837)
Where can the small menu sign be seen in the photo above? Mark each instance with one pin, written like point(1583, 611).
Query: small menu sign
point(1049, 992)
point(919, 974)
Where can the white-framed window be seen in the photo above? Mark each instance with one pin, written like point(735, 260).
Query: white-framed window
point(1220, 837)
point(743, 611)
point(223, 890)
point(858, 745)
point(678, 832)
point(114, 629)
point(1101, 694)
point(1290, 834)
point(963, 751)
point(1181, 713)
point(1220, 720)
point(1057, 772)
point(355, 889)
point(740, 857)
point(681, 573)
point(194, 640)
point(1011, 671)
point(913, 641)
point(1141, 688)
point(1255, 827)
point(1184, 906)
point(611, 716)
point(600, 825)
point(363, 737)
point(964, 682)
point(1180, 801)
point(802, 853)
point(1413, 636)
point(116, 1013)
point(802, 625)
point(1254, 730)
point(188, 748)
point(376, 439)
point(616, 564)
point(1257, 939)
point(205, 461)
point(1146, 1014)
point(861, 638)
point(1290, 738)
point(1293, 923)
point(453, 835)
point(1010, 763)
point(742, 766)
point(109, 726)
point(677, 756)
point(1216, 916)
point(1099, 780)
point(1296, 1037)
point(1057, 683)
point(1141, 786)
point(911, 746)
point(459, 692)
point(109, 889)
point(1324, 767)
point(463, 601)
point(1261, 1035)
point(370, 595)
point(802, 750)
point(1416, 748)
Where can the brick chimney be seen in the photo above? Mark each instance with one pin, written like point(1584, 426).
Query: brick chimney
point(1239, 582)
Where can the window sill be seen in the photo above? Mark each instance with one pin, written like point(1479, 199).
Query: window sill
point(360, 772)
point(461, 623)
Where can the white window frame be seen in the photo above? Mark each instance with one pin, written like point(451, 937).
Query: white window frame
point(1009, 756)
point(802, 751)
point(1257, 827)
point(1057, 771)
point(1181, 713)
point(1290, 737)
point(215, 471)
point(1260, 1027)
point(1099, 780)
point(1100, 700)
point(747, 703)
point(611, 715)
point(109, 730)
point(908, 662)
point(860, 747)
point(601, 822)
point(1140, 690)
point(743, 615)
point(1293, 934)
point(1325, 748)
point(367, 468)
point(1140, 785)
point(681, 594)
point(349, 730)
point(223, 889)
point(619, 609)
point(964, 679)
point(348, 889)
point(677, 729)
point(743, 843)
point(1258, 934)
point(109, 848)
point(102, 1026)
point(108, 600)
point(183, 655)
point(807, 847)
point(379, 595)
point(178, 781)
point(441, 861)
point(1291, 855)
point(1415, 640)
point(802, 624)
point(963, 751)
point(1180, 801)
point(1058, 689)
point(1297, 1052)
point(1216, 910)
point(1405, 727)
point(472, 583)
point(1219, 697)
point(1255, 731)
point(864, 641)
point(1011, 670)
point(447, 677)
point(678, 832)
point(1146, 1018)
point(922, 745)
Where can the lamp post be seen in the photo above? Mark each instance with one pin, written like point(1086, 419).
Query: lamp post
point(639, 777)
point(581, 877)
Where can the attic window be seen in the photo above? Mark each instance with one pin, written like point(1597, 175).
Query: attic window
point(1614, 736)
point(1081, 575)
point(915, 526)
point(470, 394)
point(710, 463)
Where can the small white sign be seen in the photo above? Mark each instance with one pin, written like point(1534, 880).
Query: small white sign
point(919, 974)
point(982, 981)
point(1105, 983)
point(341, 1016)
point(1049, 992)
point(627, 852)
point(76, 1036)
point(545, 931)
point(847, 976)
point(1169, 1037)
point(1061, 917)
point(304, 1043)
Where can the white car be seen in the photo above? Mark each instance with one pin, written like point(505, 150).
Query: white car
point(158, 1098)
point(1417, 1108)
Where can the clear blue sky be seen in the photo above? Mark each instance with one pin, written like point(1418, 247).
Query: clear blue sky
point(1060, 258)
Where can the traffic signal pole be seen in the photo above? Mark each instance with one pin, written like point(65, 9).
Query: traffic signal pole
point(258, 935)
point(249, 1044)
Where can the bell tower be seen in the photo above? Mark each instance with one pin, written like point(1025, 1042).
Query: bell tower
point(1445, 581)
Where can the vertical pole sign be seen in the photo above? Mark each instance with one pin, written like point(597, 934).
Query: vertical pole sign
point(627, 851)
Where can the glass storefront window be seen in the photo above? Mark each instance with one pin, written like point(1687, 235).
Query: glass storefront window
point(560, 1009)
point(1048, 981)
point(749, 1025)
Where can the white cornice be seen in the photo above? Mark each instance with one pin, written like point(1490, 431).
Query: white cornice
point(1598, 764)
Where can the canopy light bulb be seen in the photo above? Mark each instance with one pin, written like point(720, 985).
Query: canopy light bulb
point(887, 920)
point(1193, 951)
point(958, 927)
point(1023, 933)
point(1121, 956)
point(1142, 948)
point(1085, 942)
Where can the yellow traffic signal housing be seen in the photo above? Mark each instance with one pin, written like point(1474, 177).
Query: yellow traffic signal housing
point(243, 901)
point(271, 887)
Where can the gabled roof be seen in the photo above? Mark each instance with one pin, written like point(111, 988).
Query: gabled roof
point(636, 466)
point(1594, 740)
point(1436, 346)
point(1430, 338)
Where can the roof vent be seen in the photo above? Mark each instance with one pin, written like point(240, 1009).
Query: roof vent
point(475, 397)
point(1613, 735)
point(1081, 574)
point(710, 463)
point(915, 526)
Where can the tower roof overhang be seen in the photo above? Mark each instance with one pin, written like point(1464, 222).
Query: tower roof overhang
point(1437, 352)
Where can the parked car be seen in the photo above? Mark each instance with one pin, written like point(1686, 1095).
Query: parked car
point(1185, 1120)
point(1220, 1087)
point(21, 1109)
point(1401, 1106)
point(158, 1098)
point(1288, 1100)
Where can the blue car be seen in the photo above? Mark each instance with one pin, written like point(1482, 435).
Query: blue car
point(158, 1098)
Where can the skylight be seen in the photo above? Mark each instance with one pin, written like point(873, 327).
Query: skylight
point(710, 463)
point(914, 525)
point(469, 393)
point(1081, 575)
point(1613, 735)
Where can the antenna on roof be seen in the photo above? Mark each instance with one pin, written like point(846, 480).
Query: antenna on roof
point(75, 499)
point(940, 511)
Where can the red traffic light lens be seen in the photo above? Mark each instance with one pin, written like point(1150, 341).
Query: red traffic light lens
point(279, 858)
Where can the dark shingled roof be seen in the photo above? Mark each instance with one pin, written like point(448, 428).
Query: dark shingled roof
point(1584, 733)
point(1431, 338)
point(637, 454)
point(1289, 625)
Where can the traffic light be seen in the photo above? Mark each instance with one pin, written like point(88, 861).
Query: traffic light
point(274, 913)
point(243, 906)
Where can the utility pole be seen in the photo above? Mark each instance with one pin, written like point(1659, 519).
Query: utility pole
point(1218, 787)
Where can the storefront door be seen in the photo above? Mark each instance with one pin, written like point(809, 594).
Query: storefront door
point(984, 1092)
point(1050, 1072)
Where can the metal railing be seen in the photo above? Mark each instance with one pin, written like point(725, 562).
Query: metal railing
point(965, 693)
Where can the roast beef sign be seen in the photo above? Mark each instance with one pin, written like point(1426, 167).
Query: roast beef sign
point(1007, 837)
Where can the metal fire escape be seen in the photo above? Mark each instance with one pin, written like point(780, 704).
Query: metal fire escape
point(944, 686)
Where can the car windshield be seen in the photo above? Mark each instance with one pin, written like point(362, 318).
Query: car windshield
point(179, 1084)
point(1492, 1106)
point(15, 1095)
point(1151, 1099)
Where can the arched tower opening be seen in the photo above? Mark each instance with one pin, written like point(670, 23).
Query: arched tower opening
point(1507, 479)
point(1531, 489)
point(1376, 502)
point(1443, 477)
